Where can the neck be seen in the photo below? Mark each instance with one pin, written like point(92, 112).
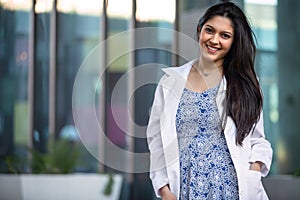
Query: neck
point(207, 68)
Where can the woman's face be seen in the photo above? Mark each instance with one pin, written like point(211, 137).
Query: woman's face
point(216, 38)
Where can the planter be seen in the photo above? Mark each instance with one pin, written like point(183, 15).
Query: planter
point(282, 187)
point(58, 187)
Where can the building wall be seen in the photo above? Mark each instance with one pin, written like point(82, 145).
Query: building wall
point(60, 68)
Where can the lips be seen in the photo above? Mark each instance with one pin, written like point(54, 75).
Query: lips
point(211, 49)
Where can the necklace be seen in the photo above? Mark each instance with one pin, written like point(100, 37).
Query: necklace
point(208, 73)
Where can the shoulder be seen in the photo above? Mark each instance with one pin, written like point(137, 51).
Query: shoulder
point(182, 70)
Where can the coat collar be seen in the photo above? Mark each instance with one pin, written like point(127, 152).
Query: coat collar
point(184, 70)
point(175, 80)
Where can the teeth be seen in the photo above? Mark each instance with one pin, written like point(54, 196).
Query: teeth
point(212, 48)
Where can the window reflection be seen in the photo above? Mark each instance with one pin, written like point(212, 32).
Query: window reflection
point(41, 78)
point(43, 6)
point(260, 2)
point(87, 7)
point(24, 5)
point(14, 62)
point(78, 33)
point(118, 20)
point(263, 19)
point(263, 15)
point(155, 10)
point(119, 9)
point(155, 14)
point(78, 29)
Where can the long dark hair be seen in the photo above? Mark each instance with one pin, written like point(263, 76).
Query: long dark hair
point(244, 98)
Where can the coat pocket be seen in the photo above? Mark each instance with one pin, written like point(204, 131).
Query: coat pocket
point(255, 187)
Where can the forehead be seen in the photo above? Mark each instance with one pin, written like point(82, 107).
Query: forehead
point(220, 23)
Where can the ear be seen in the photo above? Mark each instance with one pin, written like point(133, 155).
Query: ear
point(198, 31)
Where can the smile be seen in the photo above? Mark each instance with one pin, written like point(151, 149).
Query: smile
point(212, 49)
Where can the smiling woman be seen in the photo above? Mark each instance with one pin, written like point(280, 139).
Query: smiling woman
point(215, 40)
point(43, 44)
point(205, 133)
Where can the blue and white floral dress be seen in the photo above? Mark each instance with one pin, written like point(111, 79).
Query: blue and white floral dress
point(206, 168)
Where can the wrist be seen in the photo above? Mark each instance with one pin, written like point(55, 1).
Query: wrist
point(164, 190)
point(256, 166)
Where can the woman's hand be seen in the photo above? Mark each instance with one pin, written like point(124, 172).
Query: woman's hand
point(256, 166)
point(166, 194)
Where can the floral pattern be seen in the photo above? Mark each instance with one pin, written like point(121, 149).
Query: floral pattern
point(206, 168)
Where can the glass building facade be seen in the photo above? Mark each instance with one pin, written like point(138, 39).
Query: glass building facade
point(53, 53)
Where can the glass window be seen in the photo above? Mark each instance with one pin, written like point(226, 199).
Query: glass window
point(15, 32)
point(78, 33)
point(118, 21)
point(262, 17)
point(41, 75)
point(287, 144)
point(155, 45)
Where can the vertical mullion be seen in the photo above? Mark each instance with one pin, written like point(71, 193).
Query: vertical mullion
point(52, 70)
point(102, 107)
point(130, 90)
point(31, 73)
point(175, 58)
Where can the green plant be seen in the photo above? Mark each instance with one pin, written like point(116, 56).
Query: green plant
point(14, 164)
point(108, 187)
point(61, 158)
point(297, 172)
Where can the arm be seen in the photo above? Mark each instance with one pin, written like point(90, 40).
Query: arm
point(158, 173)
point(256, 166)
point(166, 194)
point(261, 151)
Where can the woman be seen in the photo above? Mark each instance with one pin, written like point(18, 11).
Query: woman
point(205, 133)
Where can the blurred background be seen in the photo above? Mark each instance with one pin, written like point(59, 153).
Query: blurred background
point(44, 42)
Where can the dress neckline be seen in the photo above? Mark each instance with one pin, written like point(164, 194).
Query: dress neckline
point(204, 91)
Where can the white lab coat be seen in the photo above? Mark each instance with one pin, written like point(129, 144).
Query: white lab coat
point(163, 143)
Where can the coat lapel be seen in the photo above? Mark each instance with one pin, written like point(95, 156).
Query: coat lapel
point(172, 85)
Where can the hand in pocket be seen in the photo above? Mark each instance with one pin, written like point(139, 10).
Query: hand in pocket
point(255, 187)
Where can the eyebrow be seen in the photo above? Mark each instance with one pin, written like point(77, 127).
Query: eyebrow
point(228, 32)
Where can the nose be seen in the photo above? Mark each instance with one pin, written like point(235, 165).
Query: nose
point(214, 39)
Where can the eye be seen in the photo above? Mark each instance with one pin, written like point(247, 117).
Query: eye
point(225, 36)
point(208, 30)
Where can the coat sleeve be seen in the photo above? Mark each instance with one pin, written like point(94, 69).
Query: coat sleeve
point(261, 149)
point(158, 172)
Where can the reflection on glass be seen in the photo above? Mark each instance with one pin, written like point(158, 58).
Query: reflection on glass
point(264, 2)
point(41, 76)
point(263, 19)
point(263, 15)
point(118, 20)
point(43, 6)
point(15, 29)
point(24, 5)
point(87, 7)
point(155, 10)
point(155, 14)
point(78, 33)
point(119, 9)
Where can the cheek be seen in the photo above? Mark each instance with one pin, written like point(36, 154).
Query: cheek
point(228, 45)
point(202, 39)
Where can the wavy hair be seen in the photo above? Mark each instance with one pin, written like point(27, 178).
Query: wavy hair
point(244, 100)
